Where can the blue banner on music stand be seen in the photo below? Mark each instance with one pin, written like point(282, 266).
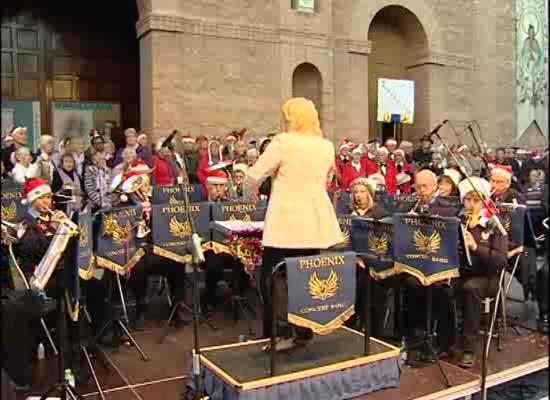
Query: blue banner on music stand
point(345, 226)
point(321, 290)
point(12, 208)
point(175, 194)
point(426, 247)
point(117, 244)
point(514, 219)
point(171, 229)
point(373, 241)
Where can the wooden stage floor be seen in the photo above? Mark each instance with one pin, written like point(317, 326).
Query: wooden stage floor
point(162, 377)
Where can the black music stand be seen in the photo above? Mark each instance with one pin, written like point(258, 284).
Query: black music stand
point(198, 316)
point(117, 321)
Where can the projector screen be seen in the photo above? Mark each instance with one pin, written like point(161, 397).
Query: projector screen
point(395, 101)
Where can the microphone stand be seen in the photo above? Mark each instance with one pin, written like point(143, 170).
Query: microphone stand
point(494, 216)
point(194, 247)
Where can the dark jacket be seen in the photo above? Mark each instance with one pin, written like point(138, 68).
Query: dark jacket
point(437, 207)
point(491, 253)
point(6, 158)
point(509, 196)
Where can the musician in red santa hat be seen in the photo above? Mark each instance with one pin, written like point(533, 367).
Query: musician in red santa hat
point(501, 182)
point(369, 159)
point(391, 145)
point(404, 171)
point(216, 186)
point(344, 156)
point(386, 167)
point(353, 169)
point(214, 157)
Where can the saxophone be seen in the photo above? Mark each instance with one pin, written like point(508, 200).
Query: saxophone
point(63, 234)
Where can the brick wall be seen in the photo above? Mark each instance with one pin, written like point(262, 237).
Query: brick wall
point(211, 66)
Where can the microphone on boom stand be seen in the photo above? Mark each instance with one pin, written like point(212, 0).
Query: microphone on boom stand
point(195, 248)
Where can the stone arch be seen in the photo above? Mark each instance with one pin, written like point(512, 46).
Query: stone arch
point(307, 81)
point(422, 11)
point(399, 42)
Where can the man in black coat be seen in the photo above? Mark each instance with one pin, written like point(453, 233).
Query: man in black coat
point(429, 204)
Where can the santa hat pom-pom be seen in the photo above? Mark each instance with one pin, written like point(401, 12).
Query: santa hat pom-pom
point(123, 198)
point(24, 202)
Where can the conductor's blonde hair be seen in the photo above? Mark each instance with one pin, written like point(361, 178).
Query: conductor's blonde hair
point(301, 116)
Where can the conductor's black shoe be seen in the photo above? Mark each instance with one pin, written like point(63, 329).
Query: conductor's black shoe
point(543, 324)
point(468, 359)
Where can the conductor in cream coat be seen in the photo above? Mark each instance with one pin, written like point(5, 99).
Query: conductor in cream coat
point(300, 219)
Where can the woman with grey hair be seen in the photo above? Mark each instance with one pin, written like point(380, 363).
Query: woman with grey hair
point(97, 183)
point(44, 163)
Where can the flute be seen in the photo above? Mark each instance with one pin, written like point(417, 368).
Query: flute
point(464, 230)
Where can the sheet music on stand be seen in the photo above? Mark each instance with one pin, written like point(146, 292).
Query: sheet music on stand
point(228, 227)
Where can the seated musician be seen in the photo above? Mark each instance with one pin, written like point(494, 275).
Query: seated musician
point(216, 184)
point(239, 174)
point(448, 182)
point(429, 204)
point(20, 331)
point(487, 249)
point(501, 186)
point(150, 263)
point(362, 204)
point(362, 199)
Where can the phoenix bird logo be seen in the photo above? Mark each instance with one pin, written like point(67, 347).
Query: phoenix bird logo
point(111, 227)
point(322, 289)
point(246, 218)
point(347, 236)
point(9, 212)
point(378, 244)
point(427, 244)
point(179, 229)
point(84, 235)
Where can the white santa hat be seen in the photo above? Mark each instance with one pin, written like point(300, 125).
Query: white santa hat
point(453, 175)
point(474, 183)
point(33, 189)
